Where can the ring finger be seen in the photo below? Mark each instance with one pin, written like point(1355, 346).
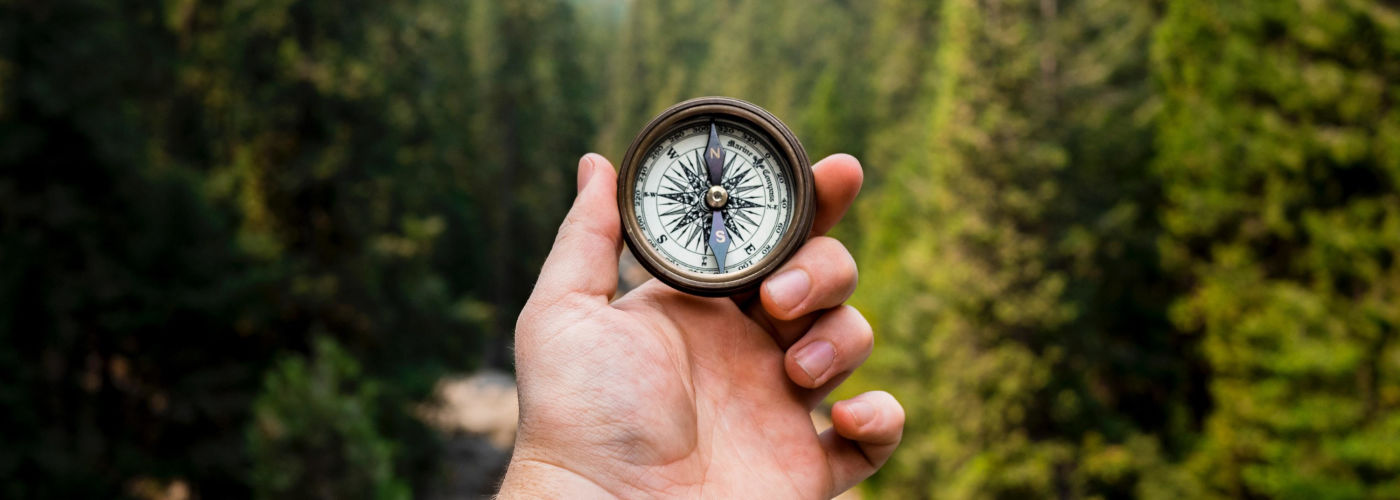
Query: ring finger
point(838, 343)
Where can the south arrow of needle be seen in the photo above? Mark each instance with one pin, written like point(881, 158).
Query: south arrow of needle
point(719, 238)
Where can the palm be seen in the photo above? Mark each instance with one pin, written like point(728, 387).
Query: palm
point(701, 390)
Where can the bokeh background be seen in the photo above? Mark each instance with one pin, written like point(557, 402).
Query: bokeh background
point(1111, 249)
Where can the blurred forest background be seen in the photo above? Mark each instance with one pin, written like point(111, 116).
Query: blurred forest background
point(1110, 248)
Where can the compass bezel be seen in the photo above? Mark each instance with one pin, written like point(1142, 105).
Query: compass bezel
point(797, 167)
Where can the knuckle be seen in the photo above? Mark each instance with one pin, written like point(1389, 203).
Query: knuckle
point(542, 307)
point(830, 261)
point(567, 228)
point(825, 245)
point(893, 410)
point(828, 248)
point(849, 271)
point(572, 304)
point(862, 332)
point(578, 231)
point(543, 314)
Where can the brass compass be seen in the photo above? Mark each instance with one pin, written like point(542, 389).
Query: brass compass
point(715, 194)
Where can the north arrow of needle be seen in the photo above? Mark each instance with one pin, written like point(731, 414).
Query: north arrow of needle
point(716, 198)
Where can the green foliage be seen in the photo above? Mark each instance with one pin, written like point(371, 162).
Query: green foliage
point(785, 55)
point(188, 188)
point(1019, 302)
point(902, 40)
point(1280, 159)
point(313, 431)
point(129, 317)
point(1110, 249)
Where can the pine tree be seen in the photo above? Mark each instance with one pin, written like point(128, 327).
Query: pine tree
point(899, 47)
point(1009, 269)
point(191, 189)
point(899, 77)
point(125, 304)
point(790, 57)
point(525, 124)
point(1280, 160)
point(656, 64)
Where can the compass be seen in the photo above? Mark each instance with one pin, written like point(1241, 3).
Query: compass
point(715, 194)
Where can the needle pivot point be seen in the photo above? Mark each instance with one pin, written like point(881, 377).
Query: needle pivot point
point(716, 198)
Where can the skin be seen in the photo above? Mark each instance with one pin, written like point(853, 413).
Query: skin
point(660, 393)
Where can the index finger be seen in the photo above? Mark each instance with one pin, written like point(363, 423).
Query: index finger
point(838, 178)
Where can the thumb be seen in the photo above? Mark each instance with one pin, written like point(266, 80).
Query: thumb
point(584, 258)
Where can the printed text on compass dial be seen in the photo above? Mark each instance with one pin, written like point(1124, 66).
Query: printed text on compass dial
point(672, 182)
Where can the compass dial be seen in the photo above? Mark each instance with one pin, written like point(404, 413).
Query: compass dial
point(714, 195)
point(672, 184)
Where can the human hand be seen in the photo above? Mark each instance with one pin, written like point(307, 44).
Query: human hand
point(666, 394)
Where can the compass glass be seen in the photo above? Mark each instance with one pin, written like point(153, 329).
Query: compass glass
point(672, 183)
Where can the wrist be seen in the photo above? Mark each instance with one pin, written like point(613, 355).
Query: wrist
point(534, 478)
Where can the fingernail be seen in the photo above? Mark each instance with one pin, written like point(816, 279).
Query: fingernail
point(585, 171)
point(816, 358)
point(787, 289)
point(860, 411)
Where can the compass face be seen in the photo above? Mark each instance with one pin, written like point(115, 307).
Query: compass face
point(714, 195)
point(671, 185)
